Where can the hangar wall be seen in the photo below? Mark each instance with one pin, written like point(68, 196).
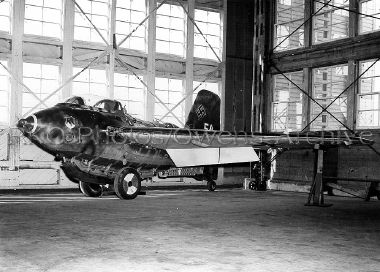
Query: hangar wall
point(321, 36)
point(238, 77)
point(69, 53)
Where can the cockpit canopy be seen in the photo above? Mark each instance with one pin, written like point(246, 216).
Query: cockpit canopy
point(77, 100)
point(109, 105)
point(105, 104)
point(116, 108)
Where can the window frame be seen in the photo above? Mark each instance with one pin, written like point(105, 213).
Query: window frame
point(94, 36)
point(360, 94)
point(300, 101)
point(42, 20)
point(126, 102)
point(209, 53)
point(170, 17)
point(39, 92)
point(131, 25)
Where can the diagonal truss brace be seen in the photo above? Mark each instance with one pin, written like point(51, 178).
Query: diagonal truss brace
point(311, 98)
point(208, 75)
point(127, 66)
point(190, 93)
point(95, 60)
point(91, 23)
point(336, 98)
point(200, 31)
point(22, 84)
point(349, 10)
point(301, 25)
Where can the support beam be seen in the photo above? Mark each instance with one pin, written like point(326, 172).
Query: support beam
point(353, 73)
point(151, 61)
point(258, 67)
point(222, 85)
point(67, 50)
point(316, 191)
point(224, 57)
point(189, 57)
point(306, 102)
point(111, 60)
point(308, 26)
point(353, 18)
point(327, 54)
point(16, 88)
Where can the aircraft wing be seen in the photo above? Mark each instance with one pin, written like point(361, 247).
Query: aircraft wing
point(189, 147)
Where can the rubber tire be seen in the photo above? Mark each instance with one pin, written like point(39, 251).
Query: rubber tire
point(90, 189)
point(252, 185)
point(211, 185)
point(121, 186)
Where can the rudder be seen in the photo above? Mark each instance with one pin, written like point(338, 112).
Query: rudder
point(205, 112)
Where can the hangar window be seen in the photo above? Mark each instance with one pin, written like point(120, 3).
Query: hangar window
point(43, 80)
point(210, 24)
point(331, 23)
point(90, 84)
point(210, 86)
point(289, 18)
point(43, 18)
point(170, 31)
point(170, 91)
point(129, 14)
point(328, 84)
point(4, 96)
point(369, 94)
point(98, 12)
point(287, 103)
point(5, 16)
point(131, 93)
point(372, 22)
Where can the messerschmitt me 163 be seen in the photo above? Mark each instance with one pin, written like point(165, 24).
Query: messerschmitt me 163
point(103, 145)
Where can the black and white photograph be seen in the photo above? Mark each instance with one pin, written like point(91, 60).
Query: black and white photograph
point(189, 135)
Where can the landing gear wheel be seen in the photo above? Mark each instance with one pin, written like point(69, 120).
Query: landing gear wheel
point(90, 189)
point(252, 185)
point(127, 183)
point(211, 185)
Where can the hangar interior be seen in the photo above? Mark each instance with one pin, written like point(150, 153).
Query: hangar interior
point(279, 66)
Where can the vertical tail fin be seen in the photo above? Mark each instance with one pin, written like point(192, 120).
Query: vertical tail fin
point(205, 112)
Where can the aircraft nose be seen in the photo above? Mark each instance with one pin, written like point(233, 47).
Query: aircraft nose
point(28, 125)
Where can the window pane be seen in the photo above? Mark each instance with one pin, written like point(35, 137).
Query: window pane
point(211, 26)
point(43, 18)
point(369, 94)
point(51, 30)
point(287, 104)
point(91, 86)
point(129, 14)
point(289, 18)
point(368, 119)
point(98, 12)
point(4, 96)
point(209, 86)
point(372, 23)
point(170, 30)
point(43, 80)
point(33, 27)
point(170, 92)
point(130, 92)
point(331, 23)
point(328, 84)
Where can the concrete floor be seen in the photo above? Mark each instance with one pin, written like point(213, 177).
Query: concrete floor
point(227, 230)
